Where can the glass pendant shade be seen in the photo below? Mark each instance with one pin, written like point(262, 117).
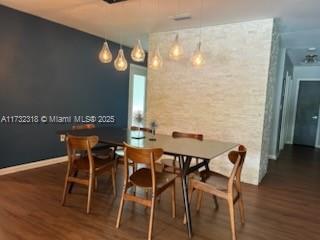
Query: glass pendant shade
point(176, 50)
point(137, 53)
point(197, 58)
point(120, 63)
point(156, 60)
point(105, 55)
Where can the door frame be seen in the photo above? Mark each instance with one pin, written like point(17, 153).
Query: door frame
point(318, 132)
point(299, 80)
point(285, 107)
point(134, 68)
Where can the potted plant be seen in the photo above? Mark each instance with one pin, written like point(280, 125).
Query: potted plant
point(138, 119)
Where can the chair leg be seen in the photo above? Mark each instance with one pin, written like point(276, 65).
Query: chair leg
point(173, 196)
point(215, 202)
point(114, 187)
point(95, 184)
point(241, 208)
point(64, 192)
point(66, 181)
point(174, 165)
point(90, 190)
point(146, 195)
point(232, 219)
point(134, 168)
point(121, 206)
point(75, 174)
point(200, 195)
point(153, 201)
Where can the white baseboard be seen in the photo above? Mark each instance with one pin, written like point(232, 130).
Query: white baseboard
point(273, 157)
point(28, 166)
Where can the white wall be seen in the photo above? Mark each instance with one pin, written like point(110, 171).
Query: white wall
point(284, 67)
point(229, 99)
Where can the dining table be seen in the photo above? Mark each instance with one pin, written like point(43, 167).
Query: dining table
point(184, 149)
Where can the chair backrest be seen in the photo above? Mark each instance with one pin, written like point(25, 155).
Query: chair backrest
point(197, 136)
point(146, 156)
point(144, 129)
point(142, 155)
point(83, 126)
point(237, 158)
point(79, 145)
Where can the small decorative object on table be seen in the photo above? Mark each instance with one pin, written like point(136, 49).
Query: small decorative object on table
point(138, 119)
point(153, 126)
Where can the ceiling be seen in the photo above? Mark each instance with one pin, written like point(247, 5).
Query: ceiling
point(126, 21)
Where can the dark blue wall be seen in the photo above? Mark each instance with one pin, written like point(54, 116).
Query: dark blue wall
point(50, 69)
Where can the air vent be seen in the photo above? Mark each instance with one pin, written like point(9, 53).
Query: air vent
point(114, 1)
point(181, 17)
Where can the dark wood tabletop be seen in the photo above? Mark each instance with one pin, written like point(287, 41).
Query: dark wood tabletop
point(205, 149)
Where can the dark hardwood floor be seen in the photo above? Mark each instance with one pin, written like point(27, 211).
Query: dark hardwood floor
point(286, 206)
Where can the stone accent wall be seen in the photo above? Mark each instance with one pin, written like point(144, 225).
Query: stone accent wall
point(224, 100)
point(272, 82)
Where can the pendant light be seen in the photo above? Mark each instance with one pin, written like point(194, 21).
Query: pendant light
point(120, 63)
point(137, 53)
point(198, 59)
point(156, 60)
point(176, 50)
point(105, 55)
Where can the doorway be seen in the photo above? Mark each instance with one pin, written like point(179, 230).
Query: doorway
point(137, 93)
point(306, 127)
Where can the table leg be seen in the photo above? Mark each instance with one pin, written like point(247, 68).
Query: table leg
point(184, 166)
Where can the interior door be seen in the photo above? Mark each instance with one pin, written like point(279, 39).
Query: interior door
point(307, 116)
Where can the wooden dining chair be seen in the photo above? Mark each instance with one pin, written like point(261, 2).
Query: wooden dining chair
point(80, 158)
point(169, 164)
point(101, 150)
point(146, 178)
point(119, 151)
point(227, 188)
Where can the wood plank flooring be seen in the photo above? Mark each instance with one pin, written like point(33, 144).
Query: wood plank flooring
point(286, 206)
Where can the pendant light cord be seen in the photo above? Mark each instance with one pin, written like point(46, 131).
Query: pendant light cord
point(107, 23)
point(201, 20)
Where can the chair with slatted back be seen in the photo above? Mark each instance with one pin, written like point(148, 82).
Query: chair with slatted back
point(101, 150)
point(120, 153)
point(227, 188)
point(146, 178)
point(169, 164)
point(80, 158)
